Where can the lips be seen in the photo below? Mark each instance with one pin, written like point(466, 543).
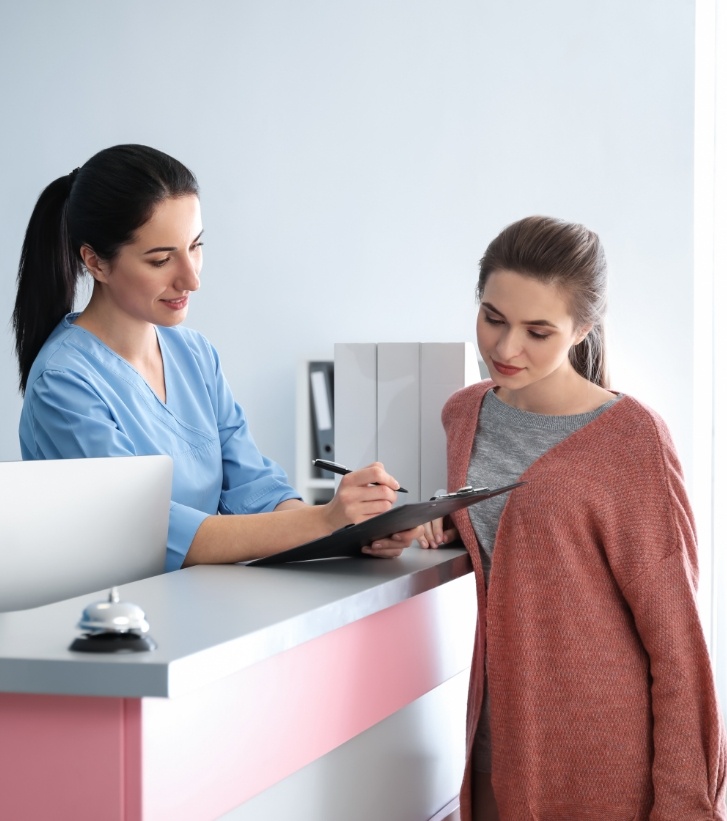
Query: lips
point(176, 304)
point(506, 370)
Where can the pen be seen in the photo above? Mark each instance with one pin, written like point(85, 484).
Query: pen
point(334, 467)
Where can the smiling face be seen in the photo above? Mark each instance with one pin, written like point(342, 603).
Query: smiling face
point(524, 333)
point(150, 279)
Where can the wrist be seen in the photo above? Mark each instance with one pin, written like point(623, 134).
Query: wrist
point(333, 515)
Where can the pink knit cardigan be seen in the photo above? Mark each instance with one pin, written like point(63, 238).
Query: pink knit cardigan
point(603, 704)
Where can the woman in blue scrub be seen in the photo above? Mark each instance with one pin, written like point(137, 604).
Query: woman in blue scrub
point(123, 377)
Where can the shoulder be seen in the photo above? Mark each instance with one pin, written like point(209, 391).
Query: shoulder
point(68, 348)
point(627, 446)
point(639, 424)
point(629, 472)
point(465, 401)
point(629, 436)
point(59, 342)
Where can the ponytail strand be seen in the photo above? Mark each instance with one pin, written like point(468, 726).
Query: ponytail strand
point(47, 274)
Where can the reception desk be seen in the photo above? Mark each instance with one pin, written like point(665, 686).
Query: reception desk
point(319, 691)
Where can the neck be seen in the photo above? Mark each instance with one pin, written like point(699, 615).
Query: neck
point(134, 340)
point(560, 394)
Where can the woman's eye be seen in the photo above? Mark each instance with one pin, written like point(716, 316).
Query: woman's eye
point(491, 320)
point(158, 263)
point(537, 335)
point(197, 245)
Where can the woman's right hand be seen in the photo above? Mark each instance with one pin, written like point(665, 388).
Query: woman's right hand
point(362, 494)
point(436, 534)
point(365, 493)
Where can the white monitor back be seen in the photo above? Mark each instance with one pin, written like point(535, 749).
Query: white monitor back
point(75, 526)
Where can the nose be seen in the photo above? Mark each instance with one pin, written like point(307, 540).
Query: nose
point(188, 274)
point(508, 346)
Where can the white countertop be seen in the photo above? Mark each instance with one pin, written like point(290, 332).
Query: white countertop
point(211, 621)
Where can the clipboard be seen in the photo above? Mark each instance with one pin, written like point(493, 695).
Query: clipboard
point(349, 540)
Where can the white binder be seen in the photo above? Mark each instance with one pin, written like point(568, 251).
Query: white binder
point(389, 399)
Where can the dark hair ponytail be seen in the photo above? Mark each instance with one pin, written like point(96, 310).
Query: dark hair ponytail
point(102, 204)
point(46, 251)
point(571, 256)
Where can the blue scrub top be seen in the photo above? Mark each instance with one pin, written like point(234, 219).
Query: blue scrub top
point(82, 399)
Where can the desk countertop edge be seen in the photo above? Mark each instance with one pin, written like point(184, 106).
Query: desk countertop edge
point(34, 655)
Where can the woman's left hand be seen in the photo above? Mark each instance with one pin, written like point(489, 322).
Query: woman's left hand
point(436, 534)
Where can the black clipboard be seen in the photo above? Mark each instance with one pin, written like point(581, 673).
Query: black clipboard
point(349, 540)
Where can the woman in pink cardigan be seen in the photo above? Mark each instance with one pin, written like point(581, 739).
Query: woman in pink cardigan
point(591, 693)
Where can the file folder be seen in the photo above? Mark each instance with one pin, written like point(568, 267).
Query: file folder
point(349, 540)
point(322, 413)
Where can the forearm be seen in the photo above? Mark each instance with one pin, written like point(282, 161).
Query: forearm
point(239, 538)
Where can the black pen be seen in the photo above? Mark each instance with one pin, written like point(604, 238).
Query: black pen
point(334, 467)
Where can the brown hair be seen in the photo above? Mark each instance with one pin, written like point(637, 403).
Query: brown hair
point(569, 256)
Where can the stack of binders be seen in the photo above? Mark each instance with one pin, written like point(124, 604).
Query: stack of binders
point(389, 399)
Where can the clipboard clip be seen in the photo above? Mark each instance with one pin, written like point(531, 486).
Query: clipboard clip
point(467, 490)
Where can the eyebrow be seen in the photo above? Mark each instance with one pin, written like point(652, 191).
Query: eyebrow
point(541, 322)
point(170, 247)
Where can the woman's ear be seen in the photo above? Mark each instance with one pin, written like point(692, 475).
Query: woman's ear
point(583, 333)
point(92, 262)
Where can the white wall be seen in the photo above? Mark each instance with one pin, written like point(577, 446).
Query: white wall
point(356, 157)
point(710, 339)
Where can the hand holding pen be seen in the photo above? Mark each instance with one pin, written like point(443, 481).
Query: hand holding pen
point(363, 493)
point(334, 467)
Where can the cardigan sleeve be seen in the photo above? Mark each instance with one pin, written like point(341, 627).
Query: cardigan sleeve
point(688, 770)
point(689, 752)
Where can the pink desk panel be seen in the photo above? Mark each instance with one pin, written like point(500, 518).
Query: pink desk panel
point(201, 754)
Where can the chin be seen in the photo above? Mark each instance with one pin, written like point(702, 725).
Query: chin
point(171, 321)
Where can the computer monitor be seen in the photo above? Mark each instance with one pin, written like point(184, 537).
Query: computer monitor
point(75, 526)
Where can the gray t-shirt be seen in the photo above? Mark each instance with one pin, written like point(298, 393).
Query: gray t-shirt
point(507, 441)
